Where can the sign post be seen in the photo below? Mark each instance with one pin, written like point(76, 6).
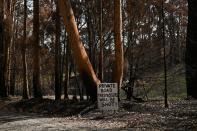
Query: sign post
point(107, 96)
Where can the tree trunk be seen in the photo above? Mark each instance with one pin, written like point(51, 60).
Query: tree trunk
point(57, 56)
point(119, 58)
point(25, 79)
point(13, 75)
point(101, 43)
point(131, 52)
point(172, 35)
point(131, 64)
point(90, 32)
point(36, 50)
point(158, 45)
point(3, 90)
point(67, 76)
point(164, 56)
point(191, 50)
point(13, 59)
point(7, 29)
point(84, 66)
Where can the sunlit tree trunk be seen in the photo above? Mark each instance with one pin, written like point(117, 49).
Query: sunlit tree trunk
point(83, 63)
point(36, 51)
point(191, 50)
point(119, 58)
point(57, 56)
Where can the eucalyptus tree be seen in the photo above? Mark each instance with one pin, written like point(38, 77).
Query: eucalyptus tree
point(36, 51)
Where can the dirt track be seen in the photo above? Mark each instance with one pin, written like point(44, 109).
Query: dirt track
point(21, 122)
point(182, 115)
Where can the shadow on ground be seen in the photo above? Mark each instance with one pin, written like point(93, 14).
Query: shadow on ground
point(47, 114)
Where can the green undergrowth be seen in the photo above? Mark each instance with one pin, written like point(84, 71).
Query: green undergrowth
point(153, 85)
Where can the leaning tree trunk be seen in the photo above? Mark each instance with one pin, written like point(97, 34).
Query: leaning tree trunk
point(36, 50)
point(83, 63)
point(119, 58)
point(191, 50)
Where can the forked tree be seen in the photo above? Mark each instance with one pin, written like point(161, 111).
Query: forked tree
point(79, 53)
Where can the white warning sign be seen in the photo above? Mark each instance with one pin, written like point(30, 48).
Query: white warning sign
point(107, 96)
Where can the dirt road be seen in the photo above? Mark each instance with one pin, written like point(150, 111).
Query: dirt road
point(30, 122)
point(182, 115)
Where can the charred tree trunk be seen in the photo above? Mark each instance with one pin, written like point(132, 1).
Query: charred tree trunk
point(131, 52)
point(57, 56)
point(131, 65)
point(36, 50)
point(100, 75)
point(67, 74)
point(164, 55)
point(24, 61)
point(173, 46)
point(158, 45)
point(13, 75)
point(13, 59)
point(191, 50)
point(3, 89)
point(8, 29)
point(84, 66)
point(90, 33)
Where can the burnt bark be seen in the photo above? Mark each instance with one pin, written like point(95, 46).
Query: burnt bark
point(24, 60)
point(100, 75)
point(67, 74)
point(36, 50)
point(191, 50)
point(57, 56)
point(3, 89)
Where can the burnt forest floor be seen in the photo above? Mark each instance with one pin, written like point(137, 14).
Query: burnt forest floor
point(47, 114)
